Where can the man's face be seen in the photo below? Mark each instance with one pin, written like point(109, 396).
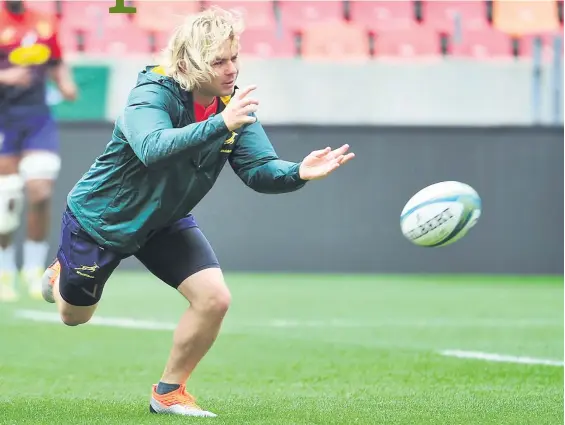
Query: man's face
point(226, 67)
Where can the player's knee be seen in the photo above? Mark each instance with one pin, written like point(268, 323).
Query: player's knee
point(207, 292)
point(39, 192)
point(11, 203)
point(40, 165)
point(39, 170)
point(217, 301)
point(74, 316)
point(71, 319)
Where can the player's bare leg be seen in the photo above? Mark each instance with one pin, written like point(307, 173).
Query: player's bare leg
point(11, 205)
point(71, 315)
point(39, 169)
point(197, 330)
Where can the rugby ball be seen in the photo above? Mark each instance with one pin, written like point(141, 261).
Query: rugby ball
point(440, 214)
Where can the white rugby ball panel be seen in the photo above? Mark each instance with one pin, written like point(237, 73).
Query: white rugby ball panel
point(462, 226)
point(447, 190)
point(427, 224)
point(440, 214)
point(467, 226)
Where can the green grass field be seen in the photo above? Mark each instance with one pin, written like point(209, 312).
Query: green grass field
point(299, 349)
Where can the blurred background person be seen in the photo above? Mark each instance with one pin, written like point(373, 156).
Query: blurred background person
point(30, 54)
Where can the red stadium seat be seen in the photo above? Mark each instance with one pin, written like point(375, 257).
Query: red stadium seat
point(441, 15)
point(163, 15)
point(267, 43)
point(161, 39)
point(123, 38)
point(325, 33)
point(485, 44)
point(45, 6)
point(335, 41)
point(527, 45)
point(256, 14)
point(382, 15)
point(298, 14)
point(86, 15)
point(418, 41)
point(86, 18)
point(102, 33)
point(67, 39)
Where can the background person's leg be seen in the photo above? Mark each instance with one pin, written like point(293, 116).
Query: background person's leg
point(39, 167)
point(11, 207)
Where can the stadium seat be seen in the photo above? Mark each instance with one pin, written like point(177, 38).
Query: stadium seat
point(525, 17)
point(417, 41)
point(339, 41)
point(325, 33)
point(82, 25)
point(68, 39)
point(441, 15)
point(90, 28)
point(256, 14)
point(296, 15)
point(267, 43)
point(161, 38)
point(163, 15)
point(47, 6)
point(86, 15)
point(382, 15)
point(488, 43)
point(527, 45)
point(121, 37)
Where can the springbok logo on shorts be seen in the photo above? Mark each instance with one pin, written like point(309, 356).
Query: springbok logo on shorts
point(88, 269)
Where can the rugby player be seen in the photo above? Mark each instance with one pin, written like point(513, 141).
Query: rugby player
point(29, 161)
point(184, 119)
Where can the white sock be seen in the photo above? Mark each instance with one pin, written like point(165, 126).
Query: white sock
point(8, 259)
point(35, 254)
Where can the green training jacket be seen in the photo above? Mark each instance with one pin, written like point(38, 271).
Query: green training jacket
point(160, 163)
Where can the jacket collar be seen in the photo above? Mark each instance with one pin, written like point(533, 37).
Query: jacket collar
point(159, 73)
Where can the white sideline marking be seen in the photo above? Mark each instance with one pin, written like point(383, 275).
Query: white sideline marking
point(113, 322)
point(117, 322)
point(130, 323)
point(492, 357)
point(414, 323)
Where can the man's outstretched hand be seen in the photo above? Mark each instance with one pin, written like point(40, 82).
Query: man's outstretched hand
point(320, 163)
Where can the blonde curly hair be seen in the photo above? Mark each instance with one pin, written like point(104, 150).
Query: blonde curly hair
point(195, 44)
